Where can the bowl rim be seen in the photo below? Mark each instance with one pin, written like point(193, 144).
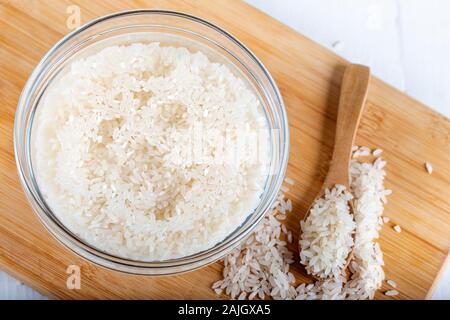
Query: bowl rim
point(110, 261)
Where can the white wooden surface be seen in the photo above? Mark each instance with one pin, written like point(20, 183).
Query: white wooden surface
point(405, 42)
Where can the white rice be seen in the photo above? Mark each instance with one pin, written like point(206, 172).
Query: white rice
point(330, 289)
point(112, 151)
point(377, 152)
point(392, 283)
point(367, 186)
point(429, 167)
point(326, 238)
point(361, 151)
point(391, 293)
point(259, 267)
point(397, 229)
point(289, 181)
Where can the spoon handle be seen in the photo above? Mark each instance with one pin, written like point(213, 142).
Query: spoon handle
point(352, 99)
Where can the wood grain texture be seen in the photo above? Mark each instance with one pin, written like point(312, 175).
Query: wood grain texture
point(309, 78)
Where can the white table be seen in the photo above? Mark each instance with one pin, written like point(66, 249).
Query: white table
point(405, 42)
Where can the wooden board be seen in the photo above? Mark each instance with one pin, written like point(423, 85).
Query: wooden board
point(308, 76)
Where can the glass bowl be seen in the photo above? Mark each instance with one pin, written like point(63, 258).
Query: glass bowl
point(162, 26)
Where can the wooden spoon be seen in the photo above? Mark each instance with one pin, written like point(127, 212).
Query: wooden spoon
point(352, 99)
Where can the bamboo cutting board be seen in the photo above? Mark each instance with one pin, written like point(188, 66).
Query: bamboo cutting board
point(309, 77)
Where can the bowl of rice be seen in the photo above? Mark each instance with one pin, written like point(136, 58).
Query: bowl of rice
point(150, 142)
